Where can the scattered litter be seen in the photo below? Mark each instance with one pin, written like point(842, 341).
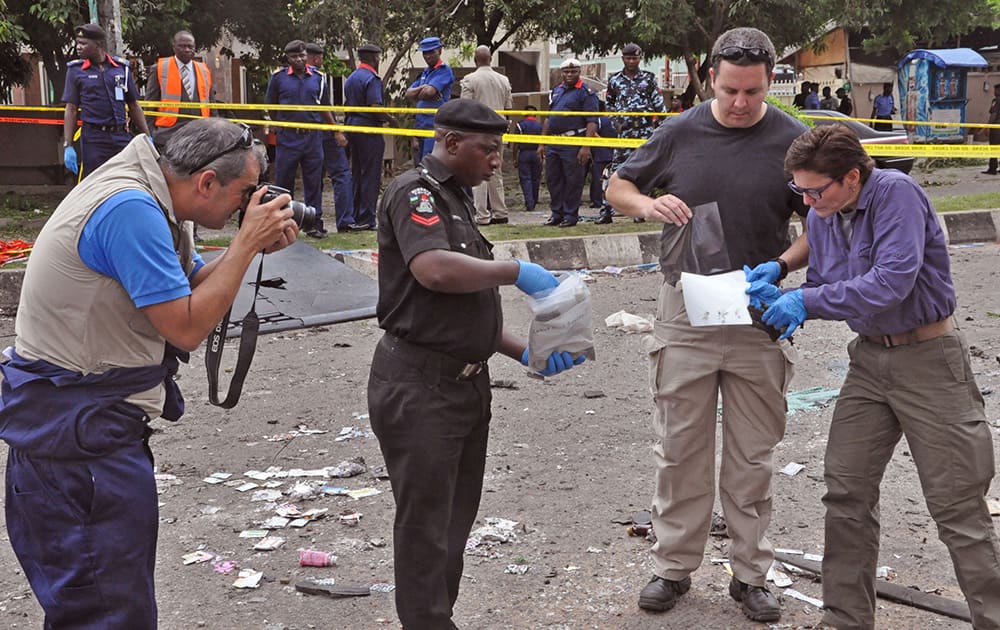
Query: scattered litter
point(248, 578)
point(516, 569)
point(275, 522)
point(348, 433)
point(305, 490)
point(270, 543)
point(313, 558)
point(719, 528)
point(335, 491)
point(589, 412)
point(348, 468)
point(794, 594)
point(794, 552)
point(266, 495)
point(594, 550)
point(233, 483)
point(362, 493)
point(792, 468)
point(885, 572)
point(503, 383)
point(593, 393)
point(994, 506)
point(212, 480)
point(165, 480)
point(357, 415)
point(209, 509)
point(815, 557)
point(382, 587)
point(379, 472)
point(247, 486)
point(288, 510)
point(498, 530)
point(612, 270)
point(570, 567)
point(811, 398)
point(627, 322)
point(222, 566)
point(779, 577)
point(474, 547)
point(197, 557)
point(253, 533)
point(294, 433)
point(323, 587)
point(350, 518)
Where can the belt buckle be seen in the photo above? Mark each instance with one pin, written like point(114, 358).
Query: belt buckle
point(887, 341)
point(470, 370)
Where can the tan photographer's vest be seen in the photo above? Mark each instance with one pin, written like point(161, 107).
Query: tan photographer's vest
point(76, 318)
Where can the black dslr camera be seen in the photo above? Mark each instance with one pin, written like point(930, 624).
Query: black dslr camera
point(303, 215)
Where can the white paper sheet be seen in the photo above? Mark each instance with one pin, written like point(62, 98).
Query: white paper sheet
point(719, 300)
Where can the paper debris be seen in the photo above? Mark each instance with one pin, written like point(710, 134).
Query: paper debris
point(275, 522)
point(266, 495)
point(362, 493)
point(794, 594)
point(247, 486)
point(792, 468)
point(269, 543)
point(253, 533)
point(516, 569)
point(197, 557)
point(815, 557)
point(248, 578)
point(382, 587)
point(627, 322)
point(779, 577)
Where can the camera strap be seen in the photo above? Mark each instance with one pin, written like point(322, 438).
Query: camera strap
point(244, 357)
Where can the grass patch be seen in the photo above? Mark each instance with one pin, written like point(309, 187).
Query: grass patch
point(23, 215)
point(956, 203)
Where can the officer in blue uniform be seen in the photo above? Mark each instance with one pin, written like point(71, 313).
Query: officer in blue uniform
point(335, 162)
point(600, 157)
point(98, 87)
point(299, 84)
point(363, 88)
point(527, 160)
point(431, 90)
point(565, 164)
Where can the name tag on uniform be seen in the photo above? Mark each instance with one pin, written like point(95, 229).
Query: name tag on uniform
point(119, 94)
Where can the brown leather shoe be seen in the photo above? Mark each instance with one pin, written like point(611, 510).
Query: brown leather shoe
point(661, 594)
point(758, 602)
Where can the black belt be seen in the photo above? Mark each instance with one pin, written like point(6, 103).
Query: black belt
point(302, 132)
point(449, 366)
point(111, 128)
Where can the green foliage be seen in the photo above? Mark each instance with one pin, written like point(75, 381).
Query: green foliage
point(791, 110)
point(930, 22)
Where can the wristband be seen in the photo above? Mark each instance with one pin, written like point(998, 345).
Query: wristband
point(784, 268)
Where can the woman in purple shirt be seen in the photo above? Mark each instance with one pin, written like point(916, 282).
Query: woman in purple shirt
point(878, 260)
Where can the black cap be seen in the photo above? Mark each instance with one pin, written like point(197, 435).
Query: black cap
point(631, 49)
point(296, 45)
point(466, 114)
point(369, 48)
point(91, 31)
point(314, 49)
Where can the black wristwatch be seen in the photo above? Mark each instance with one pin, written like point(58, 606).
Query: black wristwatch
point(784, 268)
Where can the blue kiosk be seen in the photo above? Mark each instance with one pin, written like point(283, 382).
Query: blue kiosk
point(932, 89)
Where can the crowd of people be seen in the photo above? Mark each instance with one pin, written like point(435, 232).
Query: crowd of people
point(115, 295)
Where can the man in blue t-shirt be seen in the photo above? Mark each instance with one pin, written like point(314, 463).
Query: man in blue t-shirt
point(431, 90)
point(883, 107)
point(113, 297)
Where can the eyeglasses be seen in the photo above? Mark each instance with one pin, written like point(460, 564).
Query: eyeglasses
point(815, 193)
point(245, 141)
point(735, 53)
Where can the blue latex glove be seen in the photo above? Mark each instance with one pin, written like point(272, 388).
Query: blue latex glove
point(532, 278)
point(787, 313)
point(763, 292)
point(69, 159)
point(766, 271)
point(557, 362)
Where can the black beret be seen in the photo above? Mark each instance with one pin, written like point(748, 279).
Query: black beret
point(313, 49)
point(369, 48)
point(466, 114)
point(90, 31)
point(631, 49)
point(296, 45)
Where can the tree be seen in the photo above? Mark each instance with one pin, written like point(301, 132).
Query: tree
point(930, 23)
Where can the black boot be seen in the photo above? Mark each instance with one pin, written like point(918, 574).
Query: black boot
point(604, 218)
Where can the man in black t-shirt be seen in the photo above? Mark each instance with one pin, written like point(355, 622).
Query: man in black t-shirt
point(728, 151)
point(429, 387)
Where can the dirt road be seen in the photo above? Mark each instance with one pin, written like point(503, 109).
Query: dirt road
point(561, 465)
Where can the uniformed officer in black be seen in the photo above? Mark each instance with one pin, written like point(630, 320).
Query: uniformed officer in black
point(429, 387)
point(98, 88)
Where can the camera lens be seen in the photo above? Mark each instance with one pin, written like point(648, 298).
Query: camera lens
point(303, 215)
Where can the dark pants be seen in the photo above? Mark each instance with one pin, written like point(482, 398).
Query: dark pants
point(529, 172)
point(339, 170)
point(596, 182)
point(84, 532)
point(97, 147)
point(432, 430)
point(306, 149)
point(564, 176)
point(883, 126)
point(426, 145)
point(995, 141)
point(366, 172)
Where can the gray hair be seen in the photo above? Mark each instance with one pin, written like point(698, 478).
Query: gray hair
point(745, 38)
point(196, 141)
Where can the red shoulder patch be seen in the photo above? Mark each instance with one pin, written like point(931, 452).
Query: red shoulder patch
point(424, 220)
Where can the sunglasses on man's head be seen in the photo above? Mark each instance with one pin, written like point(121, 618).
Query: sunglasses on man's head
point(245, 141)
point(735, 53)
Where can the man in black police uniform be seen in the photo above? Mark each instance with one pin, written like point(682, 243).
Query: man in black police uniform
point(429, 388)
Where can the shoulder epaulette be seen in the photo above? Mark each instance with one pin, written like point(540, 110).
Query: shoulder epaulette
point(75, 62)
